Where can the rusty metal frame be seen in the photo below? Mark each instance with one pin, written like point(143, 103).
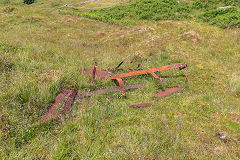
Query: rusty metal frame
point(151, 71)
point(66, 98)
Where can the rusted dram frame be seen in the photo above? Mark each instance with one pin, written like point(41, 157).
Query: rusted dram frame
point(145, 71)
point(81, 95)
point(62, 103)
point(140, 105)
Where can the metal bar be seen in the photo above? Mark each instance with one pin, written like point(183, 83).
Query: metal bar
point(135, 73)
point(94, 74)
point(122, 63)
point(154, 75)
point(186, 77)
point(81, 95)
point(120, 81)
point(119, 65)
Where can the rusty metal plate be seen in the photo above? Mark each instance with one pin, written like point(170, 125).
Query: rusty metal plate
point(62, 103)
point(99, 73)
point(167, 91)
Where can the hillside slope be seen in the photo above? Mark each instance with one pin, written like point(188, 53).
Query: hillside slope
point(42, 50)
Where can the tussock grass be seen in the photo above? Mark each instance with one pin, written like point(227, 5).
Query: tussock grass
point(235, 85)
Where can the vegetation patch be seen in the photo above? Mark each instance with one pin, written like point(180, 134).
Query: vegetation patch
point(24, 135)
point(213, 4)
point(28, 1)
point(7, 48)
point(141, 10)
point(155, 10)
point(9, 9)
point(223, 18)
point(5, 66)
point(4, 1)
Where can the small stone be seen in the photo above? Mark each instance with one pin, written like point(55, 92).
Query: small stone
point(222, 137)
point(192, 35)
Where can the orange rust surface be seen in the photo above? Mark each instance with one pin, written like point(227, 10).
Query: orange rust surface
point(99, 74)
point(167, 91)
point(120, 81)
point(145, 71)
point(154, 75)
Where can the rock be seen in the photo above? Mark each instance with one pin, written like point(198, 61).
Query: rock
point(192, 36)
point(222, 137)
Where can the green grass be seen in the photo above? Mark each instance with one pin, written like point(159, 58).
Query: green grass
point(41, 51)
point(156, 10)
point(223, 18)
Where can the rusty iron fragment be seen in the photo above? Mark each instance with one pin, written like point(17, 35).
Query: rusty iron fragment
point(94, 74)
point(81, 95)
point(62, 103)
point(168, 91)
point(139, 65)
point(99, 73)
point(119, 65)
point(140, 105)
point(127, 69)
point(122, 63)
point(186, 76)
point(120, 81)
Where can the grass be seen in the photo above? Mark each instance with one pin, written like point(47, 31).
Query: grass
point(41, 51)
point(223, 18)
point(155, 10)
